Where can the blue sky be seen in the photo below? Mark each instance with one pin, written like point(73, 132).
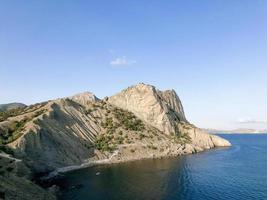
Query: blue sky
point(212, 52)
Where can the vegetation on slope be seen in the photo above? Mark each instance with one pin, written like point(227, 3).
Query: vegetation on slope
point(10, 113)
point(121, 127)
point(12, 132)
point(182, 137)
point(117, 125)
point(14, 185)
point(14, 129)
point(128, 120)
point(10, 106)
point(5, 114)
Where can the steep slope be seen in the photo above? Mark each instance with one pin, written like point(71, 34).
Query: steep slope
point(160, 109)
point(14, 183)
point(164, 110)
point(56, 134)
point(63, 133)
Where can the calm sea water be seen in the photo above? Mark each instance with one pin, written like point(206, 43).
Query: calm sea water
point(238, 172)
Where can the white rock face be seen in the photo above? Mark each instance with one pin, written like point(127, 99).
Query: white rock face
point(84, 98)
point(159, 109)
point(203, 140)
point(163, 110)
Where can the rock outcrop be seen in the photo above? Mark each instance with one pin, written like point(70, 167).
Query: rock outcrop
point(164, 110)
point(84, 98)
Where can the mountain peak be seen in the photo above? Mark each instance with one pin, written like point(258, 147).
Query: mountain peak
point(140, 86)
point(84, 97)
point(161, 109)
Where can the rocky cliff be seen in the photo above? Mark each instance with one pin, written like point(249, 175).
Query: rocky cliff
point(164, 110)
point(82, 130)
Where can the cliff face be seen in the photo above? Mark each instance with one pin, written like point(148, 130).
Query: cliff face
point(84, 98)
point(164, 110)
point(140, 122)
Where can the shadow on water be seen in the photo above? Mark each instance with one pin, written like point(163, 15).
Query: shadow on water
point(238, 172)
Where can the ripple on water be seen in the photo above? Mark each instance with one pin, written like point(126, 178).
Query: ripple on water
point(239, 172)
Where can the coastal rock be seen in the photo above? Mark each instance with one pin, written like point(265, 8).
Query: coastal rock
point(80, 131)
point(163, 110)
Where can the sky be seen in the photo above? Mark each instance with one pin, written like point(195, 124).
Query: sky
point(212, 52)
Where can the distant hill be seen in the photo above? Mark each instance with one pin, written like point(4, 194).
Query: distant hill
point(10, 106)
point(235, 131)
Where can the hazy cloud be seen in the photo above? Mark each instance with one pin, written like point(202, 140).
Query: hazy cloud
point(249, 120)
point(122, 61)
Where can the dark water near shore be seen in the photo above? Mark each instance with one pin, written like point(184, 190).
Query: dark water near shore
point(238, 172)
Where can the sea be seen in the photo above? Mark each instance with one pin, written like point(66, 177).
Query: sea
point(238, 172)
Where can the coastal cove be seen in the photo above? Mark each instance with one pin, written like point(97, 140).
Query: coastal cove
point(236, 172)
point(133, 100)
point(82, 130)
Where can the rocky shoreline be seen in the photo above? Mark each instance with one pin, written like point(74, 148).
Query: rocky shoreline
point(111, 161)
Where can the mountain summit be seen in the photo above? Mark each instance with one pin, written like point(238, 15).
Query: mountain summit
point(84, 98)
point(161, 109)
point(164, 110)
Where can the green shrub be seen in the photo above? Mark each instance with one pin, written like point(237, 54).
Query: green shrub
point(10, 113)
point(128, 141)
point(120, 140)
point(12, 132)
point(151, 146)
point(128, 120)
point(6, 149)
point(141, 136)
point(102, 144)
point(10, 169)
point(87, 112)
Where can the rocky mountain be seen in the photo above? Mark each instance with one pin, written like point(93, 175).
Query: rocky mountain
point(10, 106)
point(82, 130)
point(164, 110)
